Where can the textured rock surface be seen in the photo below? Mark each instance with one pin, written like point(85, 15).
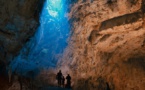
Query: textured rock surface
point(18, 22)
point(107, 45)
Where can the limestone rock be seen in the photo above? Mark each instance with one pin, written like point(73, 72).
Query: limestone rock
point(107, 46)
point(18, 22)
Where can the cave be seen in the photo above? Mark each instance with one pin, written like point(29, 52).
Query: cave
point(72, 45)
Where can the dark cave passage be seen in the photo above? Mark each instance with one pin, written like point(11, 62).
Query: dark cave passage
point(45, 48)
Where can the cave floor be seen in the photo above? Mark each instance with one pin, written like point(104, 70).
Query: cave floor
point(55, 88)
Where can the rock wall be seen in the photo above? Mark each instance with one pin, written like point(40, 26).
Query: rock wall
point(18, 22)
point(106, 49)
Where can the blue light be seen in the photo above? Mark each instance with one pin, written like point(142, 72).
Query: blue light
point(50, 40)
point(54, 7)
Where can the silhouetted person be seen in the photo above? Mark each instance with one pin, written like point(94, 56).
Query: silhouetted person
point(68, 84)
point(107, 88)
point(20, 82)
point(59, 77)
point(63, 81)
point(31, 74)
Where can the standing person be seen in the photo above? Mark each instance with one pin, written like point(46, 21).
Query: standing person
point(20, 82)
point(107, 88)
point(59, 77)
point(68, 84)
point(63, 81)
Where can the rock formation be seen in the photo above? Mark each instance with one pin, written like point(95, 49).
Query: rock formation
point(106, 49)
point(18, 22)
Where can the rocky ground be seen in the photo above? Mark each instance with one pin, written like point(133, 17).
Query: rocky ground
point(16, 86)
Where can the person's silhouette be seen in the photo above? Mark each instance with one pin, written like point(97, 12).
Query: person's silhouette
point(63, 81)
point(59, 77)
point(107, 88)
point(20, 82)
point(68, 84)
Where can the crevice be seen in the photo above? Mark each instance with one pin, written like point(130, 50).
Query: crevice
point(136, 62)
point(121, 20)
point(105, 37)
point(94, 34)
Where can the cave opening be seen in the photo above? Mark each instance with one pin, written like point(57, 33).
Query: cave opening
point(46, 47)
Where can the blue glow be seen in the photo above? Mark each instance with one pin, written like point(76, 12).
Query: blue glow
point(50, 40)
point(55, 7)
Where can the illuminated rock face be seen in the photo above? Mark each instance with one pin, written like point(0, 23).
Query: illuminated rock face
point(46, 46)
point(18, 22)
point(107, 46)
